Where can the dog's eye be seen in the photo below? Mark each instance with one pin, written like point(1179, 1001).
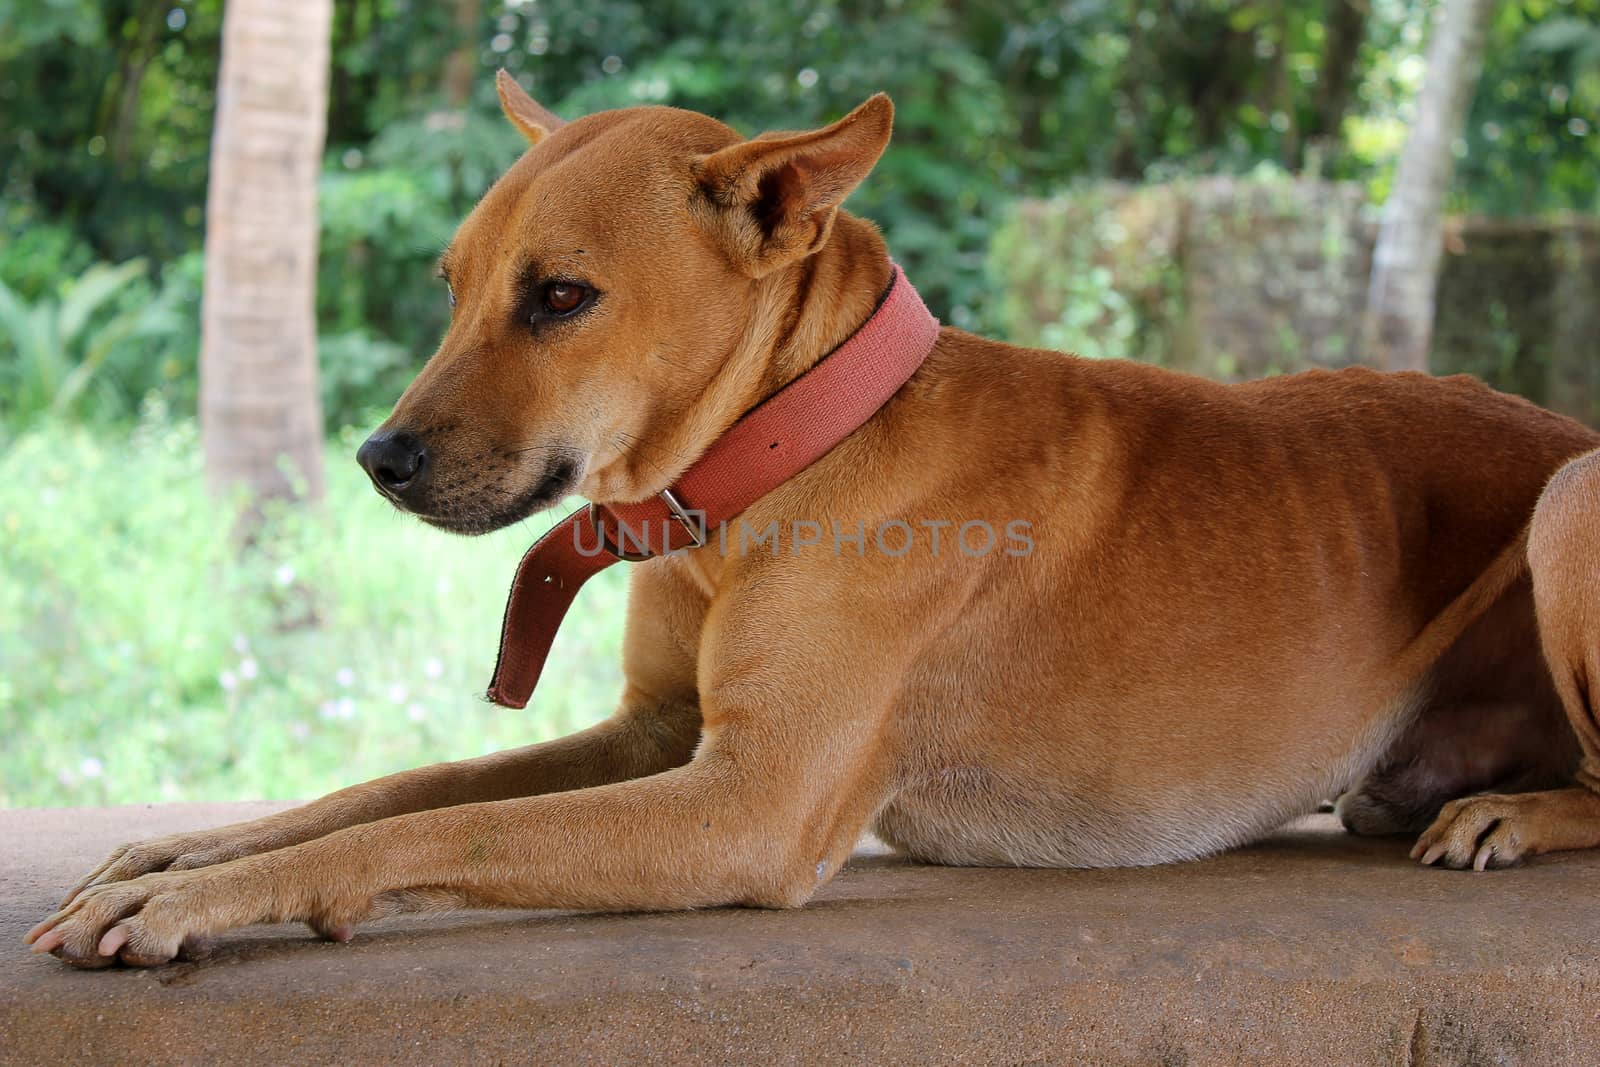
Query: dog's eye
point(563, 298)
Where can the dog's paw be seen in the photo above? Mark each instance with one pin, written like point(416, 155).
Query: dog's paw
point(1501, 830)
point(1477, 832)
point(157, 917)
point(176, 852)
point(142, 922)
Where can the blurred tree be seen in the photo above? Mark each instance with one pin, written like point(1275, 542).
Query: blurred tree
point(1397, 325)
point(461, 66)
point(259, 407)
point(1343, 33)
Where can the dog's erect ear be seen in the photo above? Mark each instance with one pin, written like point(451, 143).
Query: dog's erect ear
point(533, 121)
point(778, 194)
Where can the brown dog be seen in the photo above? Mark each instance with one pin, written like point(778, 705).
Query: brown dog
point(1237, 599)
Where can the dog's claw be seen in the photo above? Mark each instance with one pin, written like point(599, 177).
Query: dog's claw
point(113, 940)
point(44, 939)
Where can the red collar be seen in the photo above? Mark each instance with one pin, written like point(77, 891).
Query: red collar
point(776, 440)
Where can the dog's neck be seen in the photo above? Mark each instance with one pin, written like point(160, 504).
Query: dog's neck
point(799, 314)
point(821, 301)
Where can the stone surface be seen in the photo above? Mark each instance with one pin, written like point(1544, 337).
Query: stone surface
point(1312, 947)
point(1238, 278)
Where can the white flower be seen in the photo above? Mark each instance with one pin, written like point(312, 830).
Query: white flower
point(248, 669)
point(284, 575)
point(300, 731)
point(397, 693)
point(91, 768)
point(241, 643)
point(328, 710)
point(346, 677)
point(228, 680)
point(416, 712)
point(432, 667)
point(345, 708)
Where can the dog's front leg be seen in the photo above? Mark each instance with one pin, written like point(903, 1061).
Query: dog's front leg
point(791, 765)
point(655, 728)
point(628, 745)
point(759, 817)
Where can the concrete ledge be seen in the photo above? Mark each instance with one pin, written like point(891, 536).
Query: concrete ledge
point(1313, 947)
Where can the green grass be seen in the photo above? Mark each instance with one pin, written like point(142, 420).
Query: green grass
point(143, 659)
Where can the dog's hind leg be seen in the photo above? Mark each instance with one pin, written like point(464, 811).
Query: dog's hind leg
point(1491, 722)
point(1453, 749)
point(1496, 830)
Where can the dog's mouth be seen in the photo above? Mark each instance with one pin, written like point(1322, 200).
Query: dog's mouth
point(485, 507)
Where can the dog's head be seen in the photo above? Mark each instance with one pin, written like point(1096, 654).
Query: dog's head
point(605, 292)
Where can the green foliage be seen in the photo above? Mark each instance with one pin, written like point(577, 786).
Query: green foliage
point(1092, 272)
point(35, 256)
point(382, 229)
point(361, 376)
point(55, 351)
point(1533, 137)
point(454, 156)
point(105, 115)
point(143, 658)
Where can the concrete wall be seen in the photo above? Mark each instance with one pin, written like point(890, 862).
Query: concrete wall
point(1237, 278)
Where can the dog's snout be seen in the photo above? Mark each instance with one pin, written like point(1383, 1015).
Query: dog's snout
point(397, 463)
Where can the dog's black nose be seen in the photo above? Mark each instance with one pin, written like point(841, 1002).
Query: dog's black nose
point(396, 462)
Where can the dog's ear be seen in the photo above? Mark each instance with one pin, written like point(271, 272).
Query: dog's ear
point(777, 195)
point(534, 122)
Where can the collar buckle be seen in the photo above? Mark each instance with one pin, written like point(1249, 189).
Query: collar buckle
point(693, 522)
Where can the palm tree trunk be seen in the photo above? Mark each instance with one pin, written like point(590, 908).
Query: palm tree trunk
point(260, 415)
point(1397, 328)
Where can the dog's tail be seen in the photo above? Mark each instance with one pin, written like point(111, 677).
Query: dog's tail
point(1419, 655)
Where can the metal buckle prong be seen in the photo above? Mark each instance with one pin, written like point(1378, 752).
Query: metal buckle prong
point(696, 527)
